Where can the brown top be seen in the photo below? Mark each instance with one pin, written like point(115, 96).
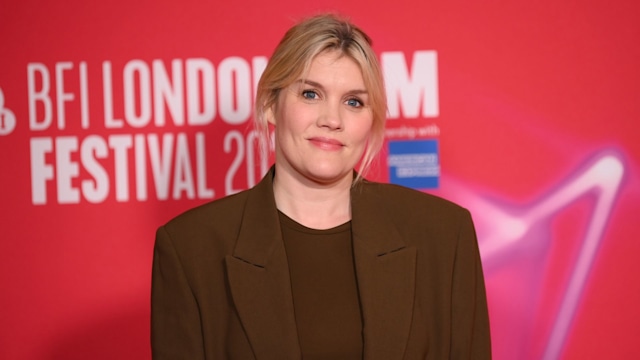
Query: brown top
point(325, 292)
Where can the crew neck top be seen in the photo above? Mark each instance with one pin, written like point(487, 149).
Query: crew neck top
point(325, 292)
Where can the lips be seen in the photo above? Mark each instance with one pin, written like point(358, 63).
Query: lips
point(326, 143)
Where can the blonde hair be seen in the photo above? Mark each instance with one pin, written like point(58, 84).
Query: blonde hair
point(293, 56)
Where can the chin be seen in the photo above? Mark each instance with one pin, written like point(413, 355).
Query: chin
point(328, 175)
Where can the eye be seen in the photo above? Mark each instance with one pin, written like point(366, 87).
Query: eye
point(353, 102)
point(309, 94)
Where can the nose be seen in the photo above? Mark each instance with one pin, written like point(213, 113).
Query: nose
point(330, 116)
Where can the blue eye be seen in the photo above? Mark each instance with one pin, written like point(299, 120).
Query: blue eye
point(309, 94)
point(354, 102)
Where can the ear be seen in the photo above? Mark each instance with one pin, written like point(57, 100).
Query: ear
point(269, 115)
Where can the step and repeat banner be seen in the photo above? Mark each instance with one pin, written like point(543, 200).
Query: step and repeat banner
point(117, 116)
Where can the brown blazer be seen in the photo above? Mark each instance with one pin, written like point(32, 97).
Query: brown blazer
point(221, 287)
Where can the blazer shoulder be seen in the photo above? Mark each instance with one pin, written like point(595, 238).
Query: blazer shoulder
point(403, 198)
point(219, 214)
point(427, 221)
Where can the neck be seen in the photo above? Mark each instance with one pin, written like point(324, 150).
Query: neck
point(313, 204)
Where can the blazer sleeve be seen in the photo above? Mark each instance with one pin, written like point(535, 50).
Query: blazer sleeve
point(470, 336)
point(175, 319)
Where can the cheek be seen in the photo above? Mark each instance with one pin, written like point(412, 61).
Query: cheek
point(291, 119)
point(365, 130)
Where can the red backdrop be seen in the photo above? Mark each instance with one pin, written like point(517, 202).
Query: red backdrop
point(117, 116)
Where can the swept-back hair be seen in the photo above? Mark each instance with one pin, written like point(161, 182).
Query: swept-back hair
point(291, 61)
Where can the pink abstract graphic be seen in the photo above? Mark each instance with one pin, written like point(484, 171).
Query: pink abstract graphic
point(516, 243)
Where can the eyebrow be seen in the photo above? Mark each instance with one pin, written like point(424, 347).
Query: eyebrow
point(319, 86)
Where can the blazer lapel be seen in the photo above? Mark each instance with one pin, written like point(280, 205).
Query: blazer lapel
point(385, 269)
point(258, 276)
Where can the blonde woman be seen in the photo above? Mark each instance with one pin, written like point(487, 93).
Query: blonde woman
point(315, 262)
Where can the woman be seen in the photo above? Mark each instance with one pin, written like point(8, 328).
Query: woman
point(315, 262)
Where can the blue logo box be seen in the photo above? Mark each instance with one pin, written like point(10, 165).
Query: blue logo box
point(414, 163)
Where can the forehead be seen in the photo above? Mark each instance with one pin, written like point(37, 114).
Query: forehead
point(334, 66)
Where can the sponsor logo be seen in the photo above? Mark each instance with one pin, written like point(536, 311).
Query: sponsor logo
point(414, 164)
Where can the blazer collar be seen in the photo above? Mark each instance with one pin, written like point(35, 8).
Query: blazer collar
point(260, 285)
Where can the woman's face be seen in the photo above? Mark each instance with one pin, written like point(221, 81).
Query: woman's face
point(322, 123)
